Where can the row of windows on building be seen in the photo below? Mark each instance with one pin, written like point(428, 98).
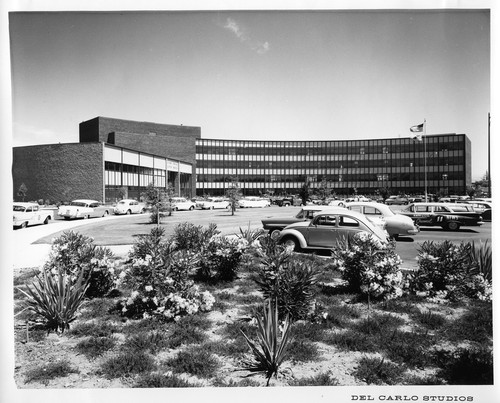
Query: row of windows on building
point(288, 178)
point(384, 146)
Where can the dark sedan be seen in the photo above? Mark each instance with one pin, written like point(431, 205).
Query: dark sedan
point(448, 216)
point(275, 225)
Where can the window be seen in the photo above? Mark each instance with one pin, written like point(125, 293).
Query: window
point(421, 209)
point(372, 211)
point(326, 220)
point(348, 222)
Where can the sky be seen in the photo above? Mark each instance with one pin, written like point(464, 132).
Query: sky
point(255, 75)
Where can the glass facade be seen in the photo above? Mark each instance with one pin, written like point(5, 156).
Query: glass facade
point(361, 166)
point(134, 171)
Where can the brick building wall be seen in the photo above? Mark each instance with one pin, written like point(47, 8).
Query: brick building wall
point(170, 141)
point(59, 172)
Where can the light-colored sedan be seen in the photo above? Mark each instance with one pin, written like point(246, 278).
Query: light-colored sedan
point(247, 202)
point(129, 206)
point(327, 228)
point(380, 214)
point(84, 208)
point(214, 203)
point(29, 214)
point(181, 203)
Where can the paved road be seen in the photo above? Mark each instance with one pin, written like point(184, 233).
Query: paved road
point(32, 245)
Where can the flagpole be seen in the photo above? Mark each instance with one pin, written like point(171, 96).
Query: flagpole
point(425, 161)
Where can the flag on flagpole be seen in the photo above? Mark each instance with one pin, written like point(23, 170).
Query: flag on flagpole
point(417, 129)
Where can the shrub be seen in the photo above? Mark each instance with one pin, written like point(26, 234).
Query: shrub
point(56, 298)
point(322, 379)
point(162, 381)
point(466, 366)
point(288, 281)
point(273, 340)
point(159, 276)
point(220, 260)
point(188, 236)
point(379, 372)
point(73, 252)
point(302, 351)
point(94, 347)
point(369, 267)
point(196, 361)
point(128, 363)
point(446, 272)
point(46, 372)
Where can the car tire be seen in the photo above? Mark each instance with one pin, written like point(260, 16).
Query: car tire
point(46, 221)
point(291, 242)
point(23, 225)
point(128, 212)
point(452, 226)
point(191, 208)
point(106, 213)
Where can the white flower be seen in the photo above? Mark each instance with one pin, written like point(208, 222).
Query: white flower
point(148, 288)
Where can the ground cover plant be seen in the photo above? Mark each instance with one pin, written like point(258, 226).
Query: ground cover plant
point(272, 317)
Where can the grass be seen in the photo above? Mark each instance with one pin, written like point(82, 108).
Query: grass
point(195, 361)
point(47, 372)
point(94, 347)
point(127, 363)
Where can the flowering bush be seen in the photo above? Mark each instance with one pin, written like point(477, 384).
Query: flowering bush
point(446, 272)
point(193, 237)
point(220, 259)
point(160, 277)
point(73, 253)
point(370, 267)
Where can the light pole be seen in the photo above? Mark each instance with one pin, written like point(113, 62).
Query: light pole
point(421, 128)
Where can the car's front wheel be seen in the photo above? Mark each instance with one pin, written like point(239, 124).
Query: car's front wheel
point(453, 226)
point(291, 243)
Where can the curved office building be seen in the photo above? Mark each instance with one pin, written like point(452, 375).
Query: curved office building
point(115, 154)
point(345, 167)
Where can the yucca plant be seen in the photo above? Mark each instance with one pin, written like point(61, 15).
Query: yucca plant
point(56, 298)
point(481, 255)
point(251, 235)
point(269, 351)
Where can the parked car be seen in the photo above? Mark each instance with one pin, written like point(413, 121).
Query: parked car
point(29, 214)
point(247, 202)
point(129, 206)
point(275, 225)
point(288, 201)
point(327, 227)
point(214, 203)
point(84, 208)
point(448, 216)
point(337, 203)
point(396, 200)
point(482, 207)
point(359, 198)
point(181, 203)
point(380, 214)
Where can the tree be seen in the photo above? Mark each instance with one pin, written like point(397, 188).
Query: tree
point(159, 199)
point(384, 192)
point(233, 193)
point(122, 192)
point(324, 191)
point(22, 191)
point(304, 192)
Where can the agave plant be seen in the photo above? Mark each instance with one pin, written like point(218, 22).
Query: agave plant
point(269, 351)
point(481, 255)
point(251, 235)
point(56, 298)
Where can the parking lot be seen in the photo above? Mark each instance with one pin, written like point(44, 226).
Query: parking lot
point(31, 245)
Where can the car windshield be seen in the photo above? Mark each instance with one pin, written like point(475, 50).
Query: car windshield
point(78, 203)
point(19, 208)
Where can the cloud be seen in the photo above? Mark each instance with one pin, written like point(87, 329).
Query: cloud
point(241, 34)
